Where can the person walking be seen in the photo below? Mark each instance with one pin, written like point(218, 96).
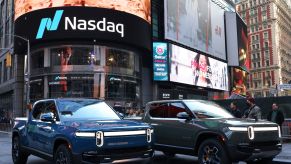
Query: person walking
point(234, 110)
point(254, 111)
point(275, 115)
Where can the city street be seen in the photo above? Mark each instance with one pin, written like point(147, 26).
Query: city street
point(5, 156)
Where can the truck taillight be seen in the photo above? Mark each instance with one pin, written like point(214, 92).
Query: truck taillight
point(99, 138)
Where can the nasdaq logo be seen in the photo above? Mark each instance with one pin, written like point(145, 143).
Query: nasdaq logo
point(49, 24)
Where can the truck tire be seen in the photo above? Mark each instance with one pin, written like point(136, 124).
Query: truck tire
point(63, 155)
point(212, 151)
point(18, 155)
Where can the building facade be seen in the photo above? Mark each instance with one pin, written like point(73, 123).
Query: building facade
point(93, 50)
point(269, 33)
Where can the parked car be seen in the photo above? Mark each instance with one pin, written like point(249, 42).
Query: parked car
point(78, 130)
point(204, 129)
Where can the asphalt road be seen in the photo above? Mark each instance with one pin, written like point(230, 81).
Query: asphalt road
point(5, 156)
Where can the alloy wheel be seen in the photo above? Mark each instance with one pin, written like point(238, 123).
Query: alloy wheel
point(211, 155)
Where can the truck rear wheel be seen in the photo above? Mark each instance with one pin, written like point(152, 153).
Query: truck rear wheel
point(63, 155)
point(18, 155)
point(212, 151)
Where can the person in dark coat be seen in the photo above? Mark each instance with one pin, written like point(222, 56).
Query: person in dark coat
point(276, 115)
point(254, 111)
point(234, 110)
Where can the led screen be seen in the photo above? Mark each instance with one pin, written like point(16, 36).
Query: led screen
point(239, 81)
point(192, 68)
point(160, 59)
point(198, 24)
point(140, 8)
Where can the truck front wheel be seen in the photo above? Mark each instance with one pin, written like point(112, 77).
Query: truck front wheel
point(18, 155)
point(212, 151)
point(63, 155)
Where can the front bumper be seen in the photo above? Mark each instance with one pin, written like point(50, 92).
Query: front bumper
point(252, 151)
point(110, 155)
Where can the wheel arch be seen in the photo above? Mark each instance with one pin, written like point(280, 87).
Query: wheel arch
point(208, 135)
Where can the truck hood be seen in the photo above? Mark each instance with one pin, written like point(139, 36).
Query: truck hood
point(112, 125)
point(247, 122)
point(235, 122)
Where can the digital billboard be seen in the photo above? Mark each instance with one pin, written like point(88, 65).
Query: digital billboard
point(239, 81)
point(140, 8)
point(237, 43)
point(198, 24)
point(189, 67)
point(160, 59)
point(89, 25)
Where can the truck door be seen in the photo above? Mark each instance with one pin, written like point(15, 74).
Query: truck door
point(180, 132)
point(33, 124)
point(47, 130)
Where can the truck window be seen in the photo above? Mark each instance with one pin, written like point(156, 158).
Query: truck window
point(38, 110)
point(174, 109)
point(158, 110)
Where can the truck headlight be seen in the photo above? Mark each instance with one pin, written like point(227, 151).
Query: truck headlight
point(149, 135)
point(99, 138)
point(279, 132)
point(85, 134)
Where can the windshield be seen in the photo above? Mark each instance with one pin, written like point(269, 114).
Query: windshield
point(207, 109)
point(86, 110)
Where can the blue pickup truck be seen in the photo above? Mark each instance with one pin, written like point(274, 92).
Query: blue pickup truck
point(78, 130)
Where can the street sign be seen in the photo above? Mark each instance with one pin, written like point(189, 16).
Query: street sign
point(273, 91)
point(284, 87)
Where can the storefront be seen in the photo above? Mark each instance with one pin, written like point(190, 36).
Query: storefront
point(90, 50)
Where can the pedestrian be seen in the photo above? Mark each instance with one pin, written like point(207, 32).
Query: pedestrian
point(234, 110)
point(253, 111)
point(275, 115)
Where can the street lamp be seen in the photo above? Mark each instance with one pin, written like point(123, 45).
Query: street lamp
point(28, 64)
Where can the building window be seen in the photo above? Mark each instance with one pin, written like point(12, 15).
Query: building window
point(255, 65)
point(258, 46)
point(253, 56)
point(258, 55)
point(267, 63)
point(266, 44)
point(253, 38)
point(257, 37)
point(254, 47)
point(72, 55)
point(259, 64)
point(38, 59)
point(265, 35)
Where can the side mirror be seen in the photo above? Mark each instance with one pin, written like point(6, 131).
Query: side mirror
point(47, 117)
point(29, 106)
point(183, 115)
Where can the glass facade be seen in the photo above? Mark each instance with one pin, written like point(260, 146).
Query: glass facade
point(85, 71)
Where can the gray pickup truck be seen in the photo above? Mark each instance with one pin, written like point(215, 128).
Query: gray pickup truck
point(204, 129)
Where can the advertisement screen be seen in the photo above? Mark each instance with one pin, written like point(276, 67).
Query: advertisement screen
point(242, 44)
point(140, 8)
point(198, 24)
point(239, 81)
point(160, 59)
point(192, 68)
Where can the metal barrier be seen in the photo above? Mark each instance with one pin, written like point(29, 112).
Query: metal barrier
point(286, 129)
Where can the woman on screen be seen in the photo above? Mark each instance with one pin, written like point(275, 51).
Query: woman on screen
point(201, 71)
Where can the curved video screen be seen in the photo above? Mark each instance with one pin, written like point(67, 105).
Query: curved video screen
point(140, 8)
